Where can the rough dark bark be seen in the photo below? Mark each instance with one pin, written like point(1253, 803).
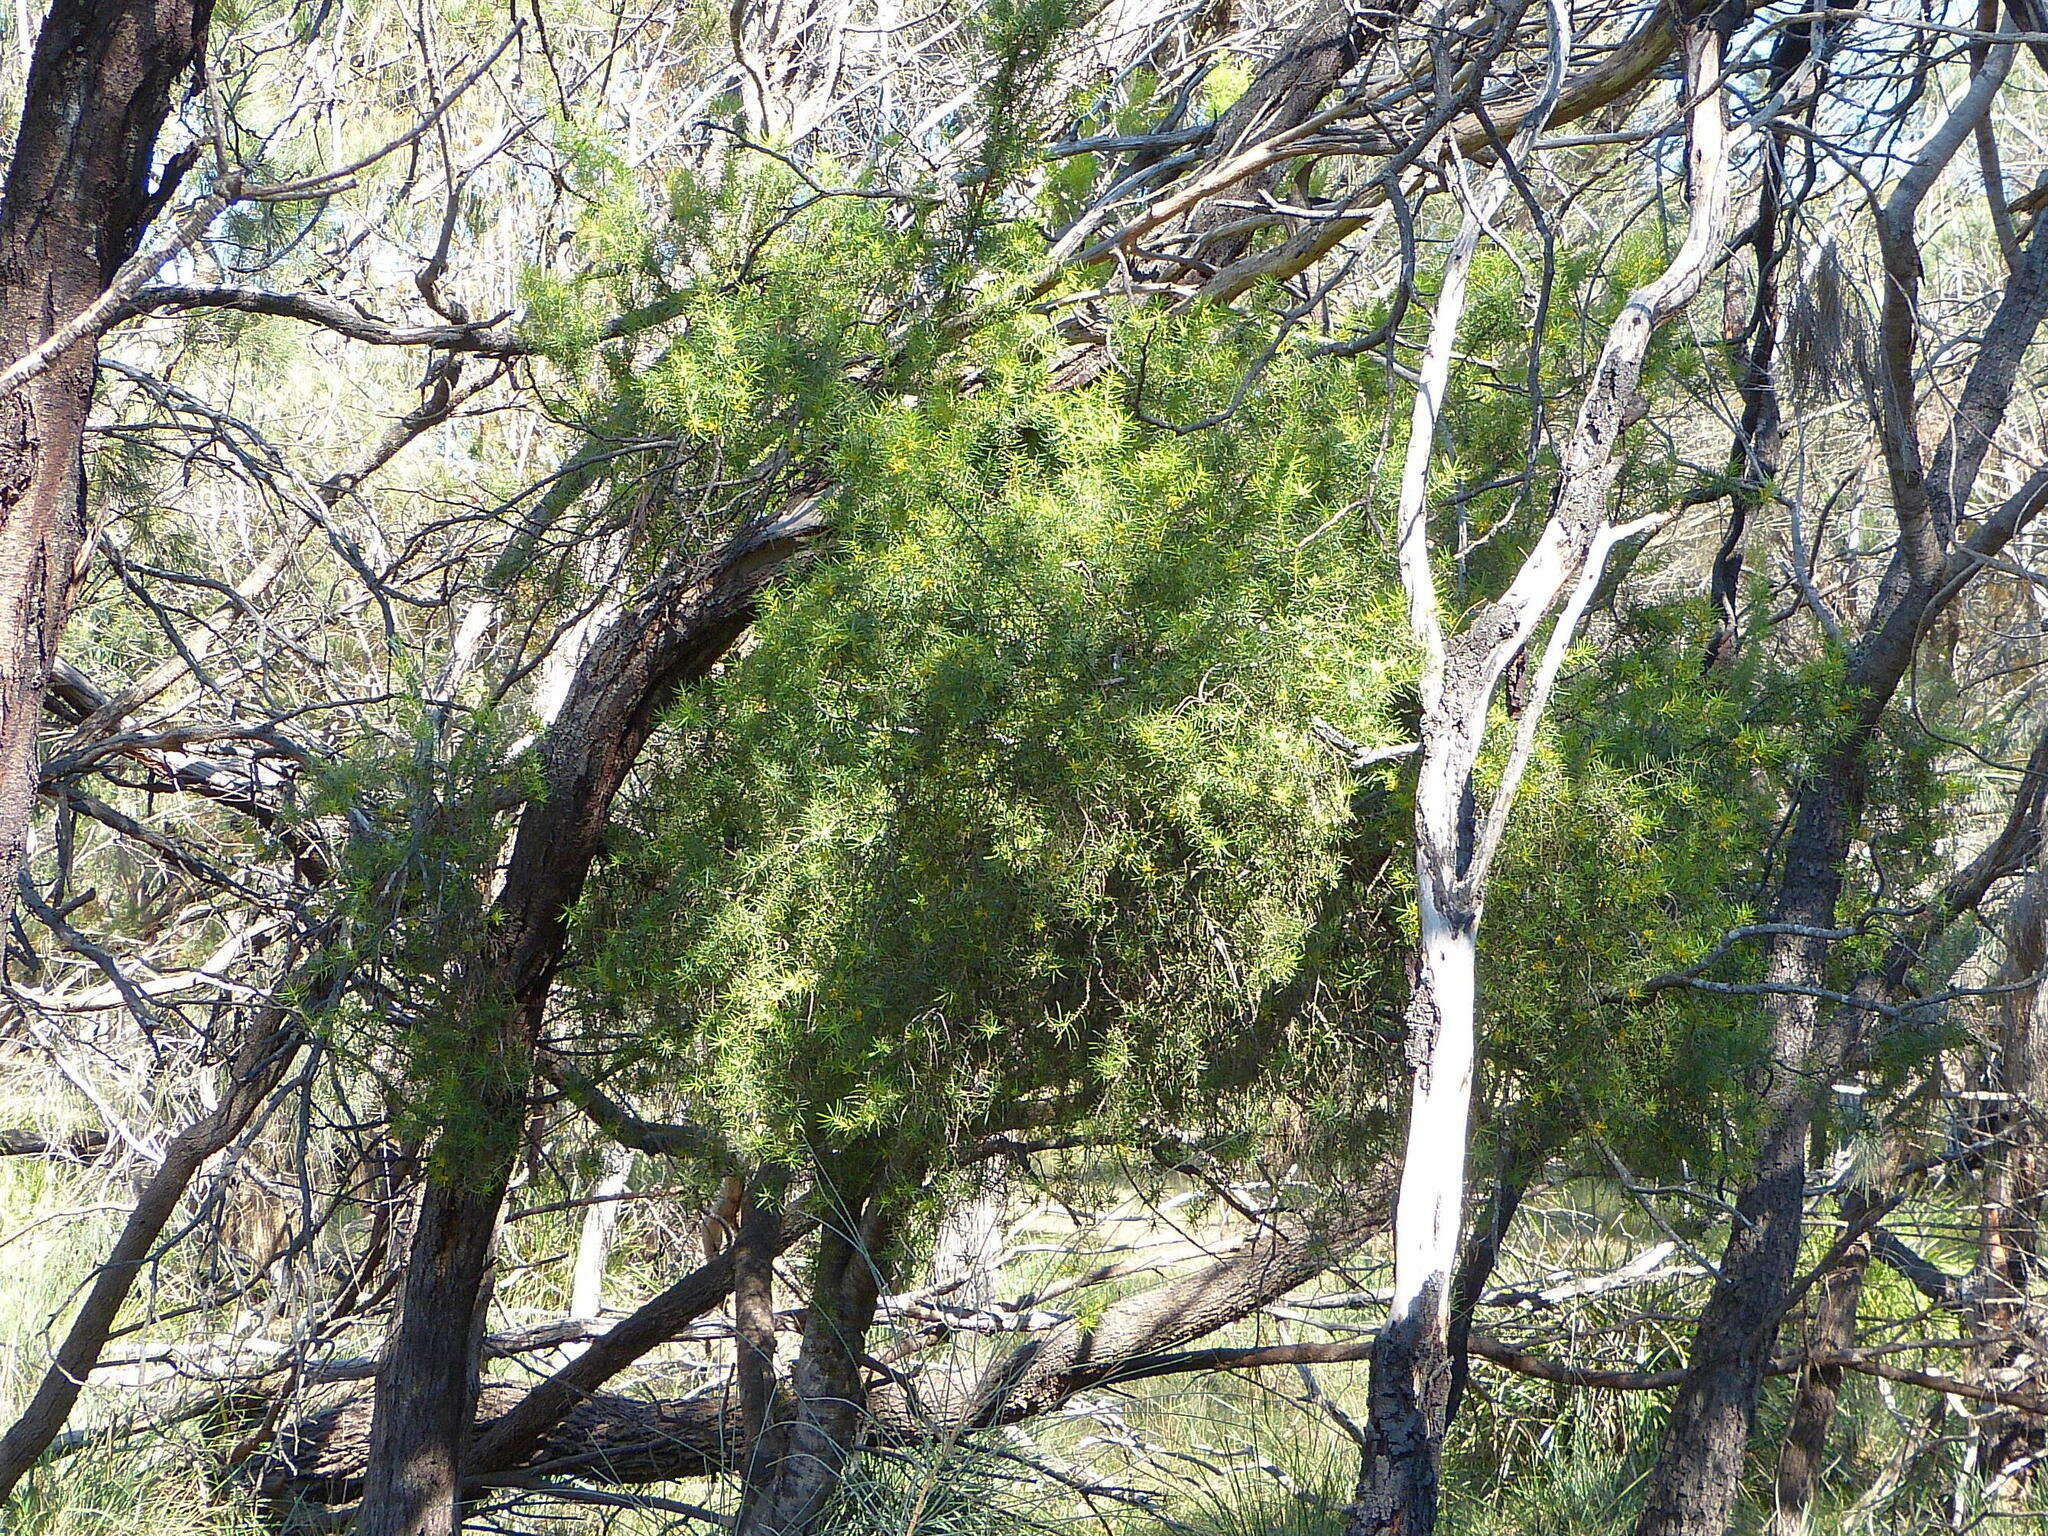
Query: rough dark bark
point(1475, 1268)
point(2012, 1258)
point(1693, 1486)
point(753, 1314)
point(798, 1459)
point(75, 203)
point(674, 633)
point(1753, 457)
point(1286, 93)
point(1832, 1329)
point(427, 1390)
point(79, 1146)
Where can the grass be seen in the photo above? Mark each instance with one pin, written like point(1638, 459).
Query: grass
point(1194, 1456)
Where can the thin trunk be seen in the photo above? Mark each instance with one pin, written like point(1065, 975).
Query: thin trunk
point(1482, 1252)
point(2012, 1261)
point(1804, 1451)
point(594, 1242)
point(259, 1067)
point(1285, 94)
point(1753, 457)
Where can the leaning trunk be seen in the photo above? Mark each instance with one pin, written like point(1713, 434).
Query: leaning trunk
point(1693, 1488)
point(1518, 1166)
point(427, 1388)
point(259, 1066)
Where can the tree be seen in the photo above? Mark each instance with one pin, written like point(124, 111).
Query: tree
point(77, 202)
point(1934, 560)
point(1456, 842)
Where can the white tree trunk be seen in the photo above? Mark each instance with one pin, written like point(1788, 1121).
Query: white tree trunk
point(1430, 1214)
point(594, 1246)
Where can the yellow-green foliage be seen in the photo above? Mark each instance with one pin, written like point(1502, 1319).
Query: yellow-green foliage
point(1017, 794)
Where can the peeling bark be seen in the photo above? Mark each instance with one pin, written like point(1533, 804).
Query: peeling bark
point(1456, 835)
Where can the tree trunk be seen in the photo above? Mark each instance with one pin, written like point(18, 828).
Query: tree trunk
point(1456, 833)
point(75, 202)
point(1411, 1368)
point(1518, 1165)
point(2011, 1259)
point(1804, 1451)
point(594, 1242)
point(800, 1457)
point(1832, 1329)
point(753, 1316)
point(1693, 1489)
point(258, 1068)
point(426, 1390)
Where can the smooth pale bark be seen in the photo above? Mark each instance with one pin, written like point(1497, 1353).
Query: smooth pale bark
point(1411, 1366)
point(594, 1241)
point(1456, 835)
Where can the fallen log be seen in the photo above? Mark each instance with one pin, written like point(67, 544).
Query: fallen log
point(567, 1427)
